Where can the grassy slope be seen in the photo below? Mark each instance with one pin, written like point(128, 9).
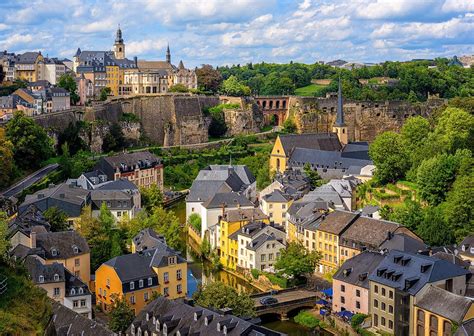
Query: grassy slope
point(24, 308)
point(310, 90)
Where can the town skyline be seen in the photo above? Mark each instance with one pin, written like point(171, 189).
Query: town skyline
point(218, 33)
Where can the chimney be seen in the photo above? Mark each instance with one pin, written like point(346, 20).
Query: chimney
point(33, 239)
point(135, 59)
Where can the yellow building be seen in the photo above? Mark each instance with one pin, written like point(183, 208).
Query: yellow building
point(275, 205)
point(285, 144)
point(29, 66)
point(114, 77)
point(137, 276)
point(230, 222)
point(439, 312)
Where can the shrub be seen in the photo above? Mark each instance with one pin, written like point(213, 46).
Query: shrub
point(276, 280)
point(357, 320)
point(195, 221)
point(308, 320)
point(255, 273)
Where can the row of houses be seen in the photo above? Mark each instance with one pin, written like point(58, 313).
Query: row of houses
point(408, 289)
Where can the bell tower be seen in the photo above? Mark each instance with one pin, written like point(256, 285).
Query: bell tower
point(119, 46)
point(340, 128)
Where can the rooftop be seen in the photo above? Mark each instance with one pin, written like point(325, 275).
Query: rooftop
point(336, 222)
point(234, 215)
point(356, 270)
point(321, 141)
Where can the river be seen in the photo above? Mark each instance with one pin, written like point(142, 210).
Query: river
point(199, 273)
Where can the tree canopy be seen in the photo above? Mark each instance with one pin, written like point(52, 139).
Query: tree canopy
point(121, 315)
point(56, 218)
point(296, 261)
point(233, 87)
point(218, 295)
point(7, 160)
point(67, 82)
point(209, 79)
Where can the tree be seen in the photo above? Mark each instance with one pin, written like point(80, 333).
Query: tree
point(121, 315)
point(410, 214)
point(57, 219)
point(435, 176)
point(305, 318)
point(151, 197)
point(195, 221)
point(218, 295)
point(31, 144)
point(104, 93)
point(455, 130)
point(389, 156)
point(67, 82)
point(459, 205)
point(289, 125)
point(178, 88)
point(433, 229)
point(4, 242)
point(7, 160)
point(71, 135)
point(296, 261)
point(233, 87)
point(208, 78)
point(114, 140)
point(315, 179)
point(218, 127)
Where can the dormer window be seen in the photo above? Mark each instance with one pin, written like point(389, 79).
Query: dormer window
point(73, 291)
point(218, 326)
point(157, 325)
point(81, 291)
point(154, 320)
point(133, 329)
point(75, 249)
point(56, 277)
point(147, 316)
point(225, 330)
point(41, 278)
point(54, 252)
point(140, 283)
point(150, 281)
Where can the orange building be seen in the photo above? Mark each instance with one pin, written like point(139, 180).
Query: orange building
point(137, 276)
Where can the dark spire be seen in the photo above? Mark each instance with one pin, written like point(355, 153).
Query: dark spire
point(78, 52)
point(340, 111)
point(168, 54)
point(118, 35)
point(181, 65)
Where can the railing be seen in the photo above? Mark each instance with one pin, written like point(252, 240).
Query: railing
point(3, 284)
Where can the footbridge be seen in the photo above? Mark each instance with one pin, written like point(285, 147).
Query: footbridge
point(290, 301)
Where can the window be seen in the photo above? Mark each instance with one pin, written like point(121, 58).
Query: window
point(132, 299)
point(357, 304)
point(132, 285)
point(343, 299)
point(105, 293)
point(83, 303)
point(166, 277)
point(150, 281)
point(166, 291)
point(382, 321)
point(179, 288)
point(75, 303)
point(54, 252)
point(56, 291)
point(56, 277)
point(357, 293)
point(343, 288)
point(75, 249)
point(263, 257)
point(383, 291)
point(376, 289)
point(390, 324)
point(140, 284)
point(447, 328)
point(390, 294)
point(145, 296)
point(178, 274)
point(376, 320)
point(390, 309)
point(81, 291)
point(41, 278)
point(433, 325)
point(107, 282)
point(270, 256)
point(376, 303)
point(383, 306)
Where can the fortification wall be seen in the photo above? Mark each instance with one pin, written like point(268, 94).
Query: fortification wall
point(246, 119)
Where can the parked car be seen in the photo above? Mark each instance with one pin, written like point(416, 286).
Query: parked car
point(268, 300)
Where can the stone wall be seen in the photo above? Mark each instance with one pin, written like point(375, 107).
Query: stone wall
point(365, 120)
point(246, 119)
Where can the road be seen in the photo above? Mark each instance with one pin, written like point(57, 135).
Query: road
point(289, 296)
point(18, 187)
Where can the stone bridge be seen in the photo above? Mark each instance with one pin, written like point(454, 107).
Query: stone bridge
point(290, 301)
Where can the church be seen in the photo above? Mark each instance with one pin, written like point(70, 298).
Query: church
point(331, 154)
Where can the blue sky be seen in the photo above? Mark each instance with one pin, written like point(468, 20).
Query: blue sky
point(229, 32)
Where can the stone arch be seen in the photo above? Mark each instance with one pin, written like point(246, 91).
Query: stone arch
point(270, 317)
point(295, 311)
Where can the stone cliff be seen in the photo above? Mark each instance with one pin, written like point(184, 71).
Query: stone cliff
point(246, 119)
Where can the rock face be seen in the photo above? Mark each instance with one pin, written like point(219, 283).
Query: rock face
point(365, 120)
point(246, 119)
point(94, 135)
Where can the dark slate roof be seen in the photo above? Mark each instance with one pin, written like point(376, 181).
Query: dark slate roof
point(257, 242)
point(31, 219)
point(321, 141)
point(294, 183)
point(228, 199)
point(356, 270)
point(441, 302)
point(127, 162)
point(337, 222)
point(178, 315)
point(36, 269)
point(27, 57)
point(325, 159)
point(466, 329)
point(403, 270)
point(242, 171)
point(277, 196)
point(74, 286)
point(67, 198)
point(134, 266)
point(467, 246)
point(327, 193)
point(201, 191)
point(403, 242)
point(234, 215)
point(63, 242)
point(253, 228)
point(307, 214)
point(368, 232)
point(66, 322)
point(456, 260)
point(369, 210)
point(147, 239)
point(120, 184)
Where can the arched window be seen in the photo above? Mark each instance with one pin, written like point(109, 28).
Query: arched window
point(433, 325)
point(447, 328)
point(278, 164)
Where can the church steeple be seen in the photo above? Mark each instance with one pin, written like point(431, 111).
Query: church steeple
point(119, 46)
point(340, 127)
point(168, 54)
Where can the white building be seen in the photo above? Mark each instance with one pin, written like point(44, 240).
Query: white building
point(53, 70)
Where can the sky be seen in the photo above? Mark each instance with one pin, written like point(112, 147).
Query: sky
point(220, 32)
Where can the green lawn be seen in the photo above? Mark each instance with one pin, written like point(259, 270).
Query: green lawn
point(310, 90)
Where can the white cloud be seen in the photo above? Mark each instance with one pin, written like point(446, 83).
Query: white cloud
point(146, 46)
point(4, 26)
point(458, 6)
point(15, 40)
